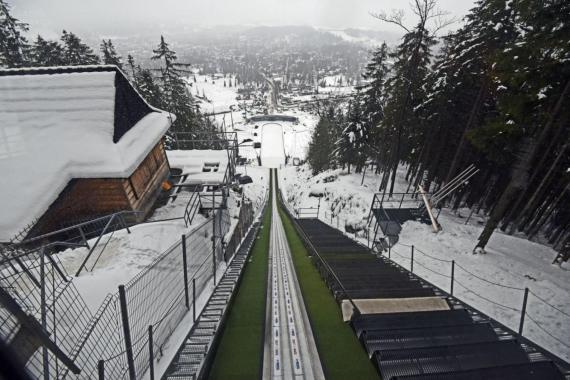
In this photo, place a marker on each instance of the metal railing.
(397, 200)
(191, 209)
(156, 300)
(41, 289)
(78, 233)
(307, 212)
(109, 226)
(159, 296)
(210, 140)
(463, 282)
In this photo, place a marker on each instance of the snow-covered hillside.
(494, 283)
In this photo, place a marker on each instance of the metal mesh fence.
(42, 290)
(156, 297)
(245, 219)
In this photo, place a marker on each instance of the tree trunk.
(518, 181)
(470, 120)
(515, 209)
(532, 203)
(538, 223)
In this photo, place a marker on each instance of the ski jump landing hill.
(272, 145)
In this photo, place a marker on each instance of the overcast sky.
(102, 16)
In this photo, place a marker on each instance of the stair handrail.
(454, 185)
(78, 227)
(118, 216)
(191, 208)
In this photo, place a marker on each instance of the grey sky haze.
(108, 16)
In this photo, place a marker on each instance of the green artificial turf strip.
(342, 355)
(240, 352)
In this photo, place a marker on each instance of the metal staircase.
(191, 360)
(389, 213)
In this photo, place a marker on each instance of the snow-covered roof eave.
(56, 128)
(136, 144)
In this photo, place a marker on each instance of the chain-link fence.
(39, 294)
(131, 327)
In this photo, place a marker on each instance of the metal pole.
(101, 369)
(214, 236)
(151, 352)
(193, 300)
(185, 270)
(389, 250)
(124, 223)
(452, 275)
(523, 311)
(319, 208)
(402, 201)
(127, 332)
(45, 356)
(83, 237)
(412, 261)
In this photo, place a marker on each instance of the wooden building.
(75, 143)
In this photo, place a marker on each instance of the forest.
(494, 93)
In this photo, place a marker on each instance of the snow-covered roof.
(192, 162)
(57, 124)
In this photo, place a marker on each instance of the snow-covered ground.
(272, 145)
(123, 258)
(511, 262)
(213, 96)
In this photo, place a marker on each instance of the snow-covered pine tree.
(176, 96)
(373, 92)
(131, 65)
(148, 87)
(373, 97)
(352, 146)
(46, 53)
(13, 43)
(533, 114)
(411, 67)
(75, 52)
(110, 56)
(322, 143)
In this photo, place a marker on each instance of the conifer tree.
(132, 66)
(533, 110)
(13, 43)
(110, 56)
(46, 53)
(373, 99)
(322, 143)
(148, 88)
(176, 96)
(352, 146)
(75, 52)
(373, 93)
(411, 67)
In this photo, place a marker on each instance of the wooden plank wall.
(87, 198)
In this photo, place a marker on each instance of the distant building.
(273, 117)
(75, 143)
